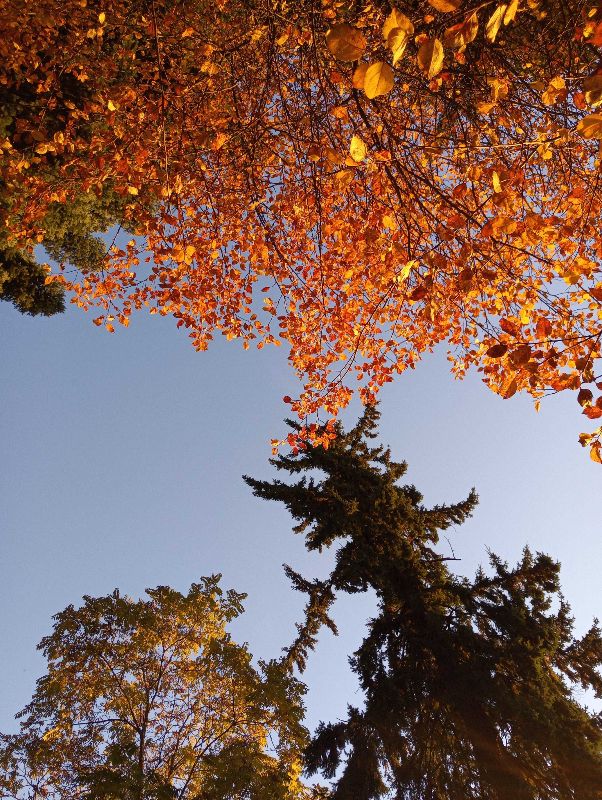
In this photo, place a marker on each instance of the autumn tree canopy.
(361, 180)
(469, 684)
(152, 700)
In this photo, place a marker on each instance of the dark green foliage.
(68, 228)
(22, 284)
(468, 683)
(69, 238)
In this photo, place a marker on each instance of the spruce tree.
(468, 684)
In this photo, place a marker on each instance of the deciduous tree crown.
(360, 180)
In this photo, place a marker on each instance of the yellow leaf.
(101, 17)
(405, 271)
(499, 88)
(590, 127)
(396, 42)
(430, 57)
(497, 186)
(111, 106)
(132, 190)
(389, 222)
(359, 76)
(446, 5)
(378, 79)
(593, 90)
(345, 43)
(510, 12)
(357, 149)
(397, 20)
(596, 454)
(493, 23)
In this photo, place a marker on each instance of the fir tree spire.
(468, 684)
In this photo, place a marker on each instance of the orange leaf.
(497, 350)
(345, 43)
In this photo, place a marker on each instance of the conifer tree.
(468, 684)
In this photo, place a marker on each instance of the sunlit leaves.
(357, 149)
(430, 57)
(590, 127)
(397, 20)
(310, 155)
(155, 694)
(458, 36)
(511, 11)
(494, 22)
(378, 79)
(397, 32)
(445, 6)
(345, 42)
(397, 42)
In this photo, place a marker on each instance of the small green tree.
(468, 683)
(152, 700)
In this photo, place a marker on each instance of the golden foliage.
(227, 128)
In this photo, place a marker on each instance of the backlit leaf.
(497, 350)
(445, 6)
(511, 11)
(378, 79)
(357, 149)
(458, 36)
(593, 90)
(590, 127)
(585, 397)
(397, 42)
(345, 43)
(430, 57)
(397, 20)
(596, 454)
(493, 23)
(359, 76)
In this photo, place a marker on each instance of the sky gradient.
(123, 457)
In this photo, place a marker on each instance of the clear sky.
(122, 463)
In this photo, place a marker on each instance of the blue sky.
(122, 465)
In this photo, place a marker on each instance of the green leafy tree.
(152, 700)
(468, 684)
